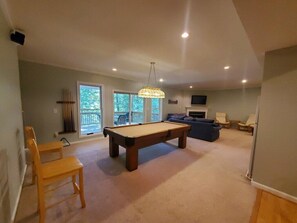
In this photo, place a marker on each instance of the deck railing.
(136, 117)
(90, 121)
(90, 116)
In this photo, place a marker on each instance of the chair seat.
(60, 167)
(224, 123)
(242, 124)
(46, 147)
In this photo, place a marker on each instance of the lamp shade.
(151, 92)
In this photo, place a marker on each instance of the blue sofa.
(201, 128)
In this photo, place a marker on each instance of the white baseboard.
(19, 195)
(274, 191)
(88, 140)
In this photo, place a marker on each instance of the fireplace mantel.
(197, 109)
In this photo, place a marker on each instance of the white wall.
(275, 163)
(11, 127)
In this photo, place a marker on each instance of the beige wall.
(42, 86)
(237, 103)
(275, 163)
(173, 94)
(11, 128)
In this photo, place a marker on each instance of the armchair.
(249, 125)
(221, 119)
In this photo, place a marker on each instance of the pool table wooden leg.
(113, 148)
(182, 140)
(132, 158)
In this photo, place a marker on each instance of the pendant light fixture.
(150, 91)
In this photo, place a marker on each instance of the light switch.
(55, 111)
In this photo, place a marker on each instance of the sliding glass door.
(137, 109)
(155, 110)
(121, 105)
(128, 108)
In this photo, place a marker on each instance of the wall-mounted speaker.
(17, 37)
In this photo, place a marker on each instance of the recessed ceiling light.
(226, 67)
(191, 86)
(185, 35)
(244, 81)
(161, 80)
(114, 69)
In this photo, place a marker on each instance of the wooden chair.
(42, 148)
(221, 119)
(53, 171)
(249, 124)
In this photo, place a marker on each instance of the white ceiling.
(97, 35)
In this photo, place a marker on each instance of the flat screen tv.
(198, 100)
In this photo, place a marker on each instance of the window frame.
(130, 104)
(160, 109)
(79, 83)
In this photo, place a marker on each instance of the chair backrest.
(121, 120)
(221, 117)
(251, 120)
(30, 134)
(35, 156)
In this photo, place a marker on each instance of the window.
(90, 109)
(128, 108)
(155, 110)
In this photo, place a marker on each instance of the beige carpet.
(203, 183)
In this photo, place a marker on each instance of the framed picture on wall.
(171, 101)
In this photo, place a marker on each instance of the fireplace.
(197, 111)
(197, 114)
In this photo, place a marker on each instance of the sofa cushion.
(204, 120)
(176, 116)
(189, 118)
(179, 116)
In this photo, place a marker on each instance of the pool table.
(135, 137)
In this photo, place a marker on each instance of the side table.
(234, 123)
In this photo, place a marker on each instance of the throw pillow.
(189, 118)
(178, 116)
